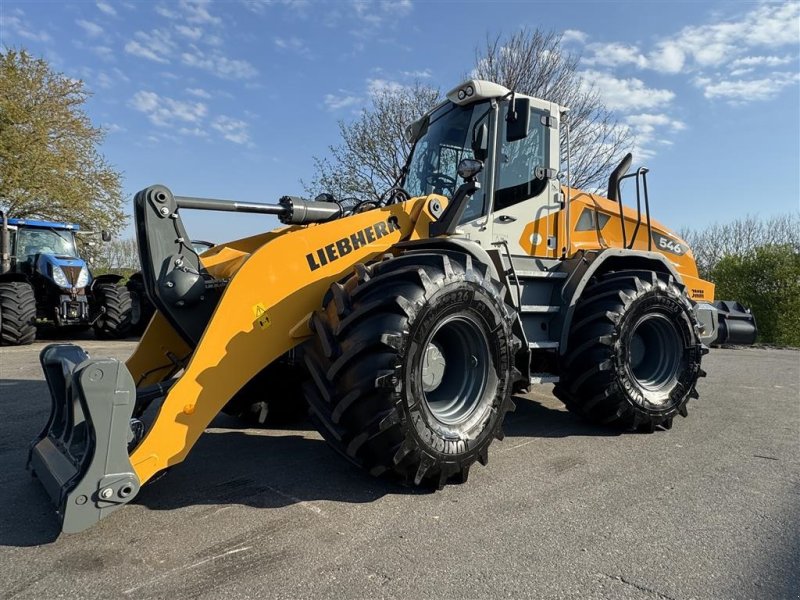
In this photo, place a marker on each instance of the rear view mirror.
(469, 168)
(518, 119)
(480, 142)
(105, 236)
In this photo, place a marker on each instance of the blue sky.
(233, 98)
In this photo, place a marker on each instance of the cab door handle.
(506, 219)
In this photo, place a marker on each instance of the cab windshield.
(45, 241)
(444, 142)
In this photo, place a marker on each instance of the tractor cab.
(44, 280)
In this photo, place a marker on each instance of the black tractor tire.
(633, 354)
(112, 309)
(17, 314)
(412, 366)
(142, 310)
(273, 398)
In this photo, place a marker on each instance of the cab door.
(526, 198)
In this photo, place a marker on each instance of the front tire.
(113, 303)
(634, 352)
(412, 366)
(17, 314)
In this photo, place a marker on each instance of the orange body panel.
(610, 235)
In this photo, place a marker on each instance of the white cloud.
(758, 61)
(156, 45)
(343, 99)
(137, 49)
(626, 94)
(419, 74)
(614, 54)
(573, 35)
(111, 128)
(196, 11)
(713, 45)
(198, 92)
(381, 86)
(195, 131)
(219, 65)
(106, 8)
(233, 130)
(260, 6)
(18, 26)
(193, 33)
(667, 58)
(293, 44)
(91, 28)
(397, 7)
(164, 111)
(104, 52)
(191, 11)
(742, 91)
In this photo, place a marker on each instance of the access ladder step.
(544, 378)
(543, 345)
(527, 274)
(538, 308)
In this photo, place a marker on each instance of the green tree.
(50, 165)
(766, 280)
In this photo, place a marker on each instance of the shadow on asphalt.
(230, 465)
(534, 419)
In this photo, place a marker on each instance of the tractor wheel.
(634, 353)
(113, 302)
(274, 397)
(142, 310)
(412, 366)
(17, 314)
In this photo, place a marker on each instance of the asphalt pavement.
(710, 509)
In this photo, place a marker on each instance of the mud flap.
(81, 456)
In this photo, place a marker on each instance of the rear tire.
(634, 352)
(392, 387)
(113, 302)
(17, 314)
(142, 310)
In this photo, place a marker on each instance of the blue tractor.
(43, 280)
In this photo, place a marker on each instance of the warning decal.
(262, 318)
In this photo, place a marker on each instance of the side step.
(81, 455)
(524, 274)
(543, 345)
(538, 308)
(544, 378)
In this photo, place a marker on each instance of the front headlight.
(59, 277)
(83, 278)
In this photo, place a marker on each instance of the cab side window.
(517, 161)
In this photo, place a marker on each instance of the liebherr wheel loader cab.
(406, 324)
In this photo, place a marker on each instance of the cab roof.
(43, 224)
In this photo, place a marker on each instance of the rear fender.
(584, 266)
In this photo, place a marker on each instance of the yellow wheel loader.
(406, 324)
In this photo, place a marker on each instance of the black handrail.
(643, 172)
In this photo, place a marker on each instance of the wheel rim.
(656, 348)
(454, 369)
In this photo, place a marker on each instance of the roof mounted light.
(474, 90)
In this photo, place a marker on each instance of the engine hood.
(70, 265)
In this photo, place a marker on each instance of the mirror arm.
(451, 217)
